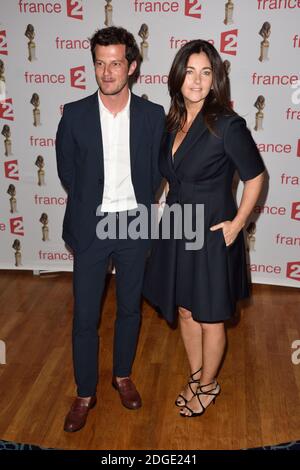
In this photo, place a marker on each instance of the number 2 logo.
(3, 43)
(11, 169)
(78, 77)
(293, 270)
(16, 226)
(75, 9)
(296, 93)
(6, 109)
(295, 213)
(193, 8)
(229, 42)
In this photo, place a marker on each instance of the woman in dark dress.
(205, 142)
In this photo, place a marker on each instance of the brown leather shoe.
(129, 395)
(76, 418)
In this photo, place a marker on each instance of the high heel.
(190, 382)
(215, 391)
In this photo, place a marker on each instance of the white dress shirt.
(118, 192)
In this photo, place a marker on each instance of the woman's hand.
(231, 229)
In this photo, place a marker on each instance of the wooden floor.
(259, 403)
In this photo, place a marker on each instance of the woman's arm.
(251, 192)
(242, 151)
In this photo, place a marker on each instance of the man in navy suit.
(107, 150)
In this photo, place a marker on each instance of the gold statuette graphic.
(12, 200)
(29, 33)
(227, 66)
(251, 229)
(229, 6)
(41, 172)
(264, 45)
(35, 101)
(2, 81)
(259, 116)
(45, 228)
(144, 34)
(7, 142)
(108, 13)
(18, 257)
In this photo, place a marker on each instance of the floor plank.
(259, 403)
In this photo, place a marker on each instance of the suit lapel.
(136, 129)
(92, 123)
(194, 134)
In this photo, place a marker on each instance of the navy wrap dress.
(207, 281)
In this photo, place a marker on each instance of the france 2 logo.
(293, 270)
(3, 43)
(75, 9)
(16, 226)
(11, 169)
(6, 109)
(193, 8)
(77, 76)
(295, 213)
(229, 42)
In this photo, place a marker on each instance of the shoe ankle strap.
(194, 373)
(208, 392)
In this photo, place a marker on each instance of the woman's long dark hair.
(218, 99)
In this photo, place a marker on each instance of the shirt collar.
(104, 110)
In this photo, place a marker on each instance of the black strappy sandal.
(215, 391)
(190, 382)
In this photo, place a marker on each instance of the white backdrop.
(60, 70)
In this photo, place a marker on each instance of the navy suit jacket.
(79, 154)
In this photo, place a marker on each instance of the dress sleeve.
(242, 150)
